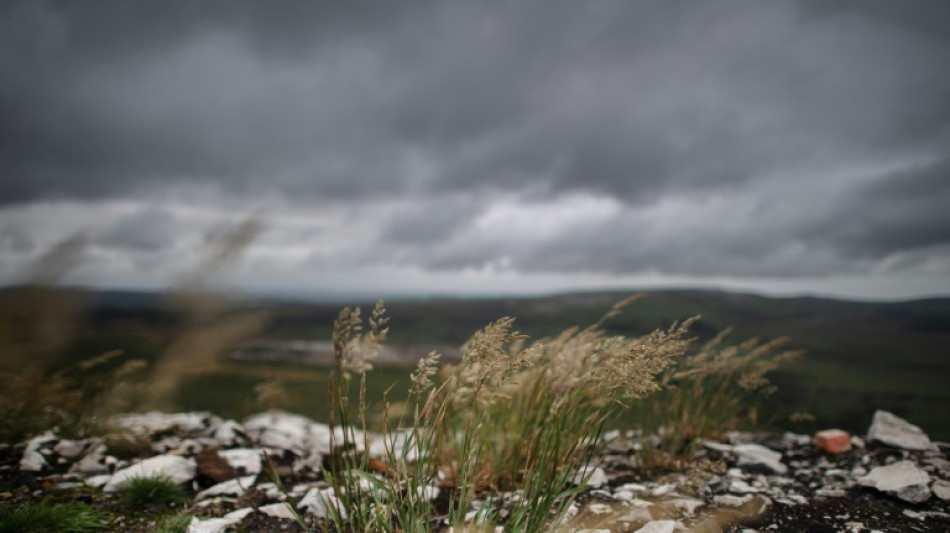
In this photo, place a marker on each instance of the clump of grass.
(711, 392)
(47, 517)
(510, 416)
(176, 523)
(153, 490)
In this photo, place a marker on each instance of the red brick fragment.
(833, 440)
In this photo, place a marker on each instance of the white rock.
(892, 430)
(218, 525)
(94, 462)
(594, 478)
(33, 460)
(688, 505)
(623, 495)
(663, 490)
(317, 502)
(660, 526)
(233, 487)
(178, 469)
(97, 482)
(755, 454)
(902, 480)
(737, 485)
(70, 449)
(286, 431)
(229, 433)
(279, 510)
(429, 492)
(728, 500)
(247, 460)
(941, 489)
(155, 422)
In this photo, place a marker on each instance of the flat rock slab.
(756, 454)
(661, 526)
(902, 480)
(176, 468)
(893, 430)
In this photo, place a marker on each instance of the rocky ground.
(893, 479)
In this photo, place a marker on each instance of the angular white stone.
(233, 487)
(218, 525)
(248, 459)
(595, 478)
(895, 431)
(70, 449)
(97, 482)
(941, 489)
(755, 454)
(33, 460)
(660, 526)
(279, 510)
(317, 501)
(156, 422)
(728, 500)
(902, 480)
(688, 505)
(178, 469)
(228, 433)
(94, 462)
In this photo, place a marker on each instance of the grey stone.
(660, 526)
(892, 430)
(178, 469)
(33, 460)
(902, 480)
(941, 489)
(234, 487)
(755, 454)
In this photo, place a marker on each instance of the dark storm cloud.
(445, 107)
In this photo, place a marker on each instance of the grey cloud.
(638, 101)
(15, 239)
(899, 212)
(632, 99)
(148, 230)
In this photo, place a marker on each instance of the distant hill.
(861, 355)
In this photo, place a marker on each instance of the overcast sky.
(483, 147)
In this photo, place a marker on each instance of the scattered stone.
(245, 460)
(833, 440)
(317, 502)
(756, 454)
(234, 487)
(902, 480)
(892, 430)
(941, 489)
(279, 510)
(178, 469)
(218, 525)
(70, 449)
(594, 478)
(33, 460)
(660, 526)
(212, 465)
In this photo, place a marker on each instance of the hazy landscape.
(860, 356)
(358, 266)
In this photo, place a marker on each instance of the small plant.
(176, 523)
(48, 517)
(152, 490)
(711, 392)
(508, 417)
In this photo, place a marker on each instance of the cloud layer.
(792, 142)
